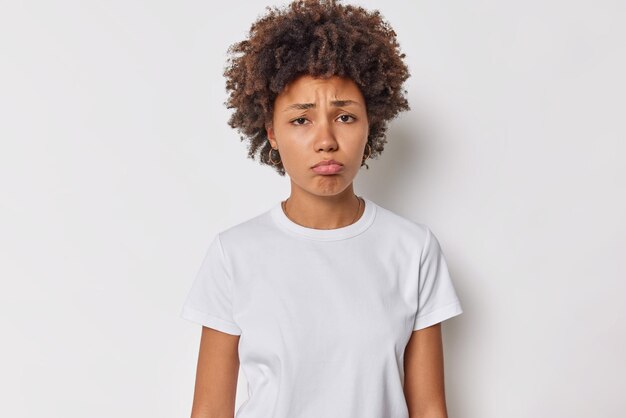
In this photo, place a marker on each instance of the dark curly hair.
(320, 38)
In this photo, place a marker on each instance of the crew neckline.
(348, 231)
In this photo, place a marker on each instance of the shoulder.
(247, 232)
(392, 224)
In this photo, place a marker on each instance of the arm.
(216, 375)
(424, 377)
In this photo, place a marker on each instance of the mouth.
(327, 162)
(327, 167)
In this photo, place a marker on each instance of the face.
(320, 119)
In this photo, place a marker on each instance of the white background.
(117, 167)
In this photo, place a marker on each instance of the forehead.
(308, 88)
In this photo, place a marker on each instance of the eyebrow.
(335, 103)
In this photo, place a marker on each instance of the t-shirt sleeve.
(437, 298)
(209, 302)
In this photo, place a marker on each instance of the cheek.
(356, 137)
(295, 150)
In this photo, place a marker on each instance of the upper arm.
(424, 376)
(216, 375)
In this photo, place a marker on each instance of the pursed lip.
(327, 162)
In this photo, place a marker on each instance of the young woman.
(331, 304)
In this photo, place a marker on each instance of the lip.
(327, 167)
(327, 162)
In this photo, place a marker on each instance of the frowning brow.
(335, 103)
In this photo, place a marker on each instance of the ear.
(269, 129)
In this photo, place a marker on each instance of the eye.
(298, 121)
(347, 118)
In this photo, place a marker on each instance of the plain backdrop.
(117, 167)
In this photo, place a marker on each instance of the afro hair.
(321, 38)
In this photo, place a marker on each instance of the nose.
(325, 137)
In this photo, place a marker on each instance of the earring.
(275, 163)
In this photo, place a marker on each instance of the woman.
(331, 304)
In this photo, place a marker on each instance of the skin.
(424, 387)
(308, 126)
(320, 131)
(216, 375)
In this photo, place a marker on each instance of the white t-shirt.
(324, 315)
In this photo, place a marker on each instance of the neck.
(324, 212)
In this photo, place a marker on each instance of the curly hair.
(320, 38)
